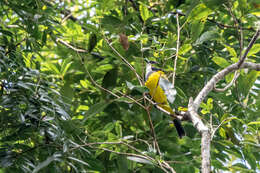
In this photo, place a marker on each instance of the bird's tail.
(179, 128)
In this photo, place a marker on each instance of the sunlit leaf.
(199, 12)
(139, 160)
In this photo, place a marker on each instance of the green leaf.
(185, 48)
(78, 160)
(110, 78)
(139, 160)
(254, 50)
(118, 128)
(206, 36)
(92, 42)
(197, 27)
(103, 68)
(95, 109)
(213, 4)
(67, 92)
(247, 81)
(220, 61)
(231, 50)
(46, 162)
(66, 64)
(199, 12)
(145, 14)
(243, 5)
(122, 164)
(139, 88)
(254, 123)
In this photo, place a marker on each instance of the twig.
(236, 75)
(222, 26)
(66, 17)
(71, 47)
(253, 40)
(124, 60)
(135, 101)
(239, 29)
(163, 165)
(17, 44)
(222, 122)
(153, 132)
(177, 50)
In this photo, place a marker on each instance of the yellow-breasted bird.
(162, 91)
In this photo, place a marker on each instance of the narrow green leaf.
(246, 82)
(206, 36)
(65, 66)
(46, 163)
(184, 49)
(139, 88)
(220, 61)
(254, 123)
(139, 160)
(78, 160)
(231, 50)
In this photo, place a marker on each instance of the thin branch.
(124, 60)
(161, 164)
(17, 44)
(221, 123)
(239, 29)
(66, 17)
(252, 42)
(236, 75)
(135, 101)
(70, 46)
(153, 132)
(222, 26)
(177, 50)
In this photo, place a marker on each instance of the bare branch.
(177, 49)
(70, 46)
(236, 75)
(239, 29)
(252, 42)
(153, 132)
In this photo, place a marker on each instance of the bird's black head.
(150, 62)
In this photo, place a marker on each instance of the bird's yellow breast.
(156, 91)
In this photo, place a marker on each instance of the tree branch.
(177, 50)
(70, 46)
(205, 139)
(217, 77)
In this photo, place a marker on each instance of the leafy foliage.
(71, 100)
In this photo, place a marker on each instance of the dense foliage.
(72, 94)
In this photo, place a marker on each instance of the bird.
(162, 91)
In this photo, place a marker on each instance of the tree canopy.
(72, 94)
